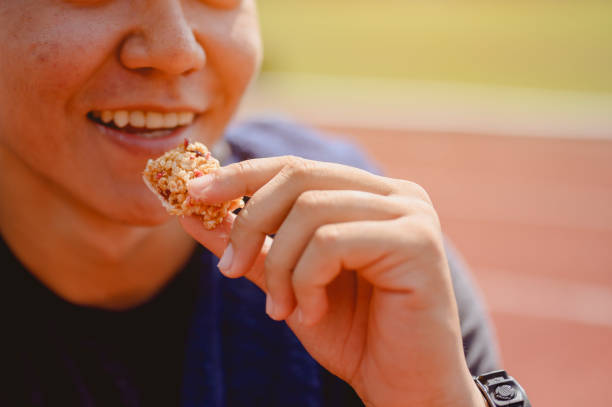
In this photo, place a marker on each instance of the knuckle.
(409, 205)
(423, 193)
(325, 237)
(419, 206)
(412, 188)
(242, 221)
(242, 167)
(292, 160)
(424, 236)
(242, 171)
(297, 166)
(310, 200)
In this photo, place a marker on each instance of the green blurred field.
(550, 44)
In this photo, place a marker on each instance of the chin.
(138, 218)
(138, 211)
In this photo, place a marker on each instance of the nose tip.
(169, 45)
(179, 56)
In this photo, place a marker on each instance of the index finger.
(246, 177)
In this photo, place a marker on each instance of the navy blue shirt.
(204, 340)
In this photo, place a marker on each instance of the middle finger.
(312, 210)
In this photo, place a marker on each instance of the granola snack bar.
(167, 177)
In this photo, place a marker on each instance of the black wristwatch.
(501, 390)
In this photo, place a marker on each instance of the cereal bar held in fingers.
(168, 175)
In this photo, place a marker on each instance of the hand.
(357, 268)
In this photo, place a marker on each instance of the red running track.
(533, 218)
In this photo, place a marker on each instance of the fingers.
(369, 248)
(360, 246)
(392, 255)
(312, 210)
(274, 261)
(326, 217)
(274, 184)
(247, 177)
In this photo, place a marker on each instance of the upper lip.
(154, 108)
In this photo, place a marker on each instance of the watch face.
(505, 392)
(501, 390)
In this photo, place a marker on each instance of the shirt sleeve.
(479, 342)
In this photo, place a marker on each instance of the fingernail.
(270, 306)
(197, 187)
(225, 262)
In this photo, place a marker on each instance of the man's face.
(90, 89)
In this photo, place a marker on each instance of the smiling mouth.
(149, 124)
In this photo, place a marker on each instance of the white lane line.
(525, 295)
(380, 103)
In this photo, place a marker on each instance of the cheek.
(235, 51)
(52, 67)
(43, 67)
(52, 59)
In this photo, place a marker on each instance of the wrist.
(473, 397)
(479, 398)
(460, 391)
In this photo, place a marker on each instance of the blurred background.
(502, 110)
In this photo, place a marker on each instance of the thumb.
(216, 241)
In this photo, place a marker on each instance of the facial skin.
(75, 210)
(63, 59)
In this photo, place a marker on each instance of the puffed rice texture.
(167, 177)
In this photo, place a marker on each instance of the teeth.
(137, 119)
(145, 120)
(170, 120)
(107, 116)
(155, 120)
(185, 118)
(121, 118)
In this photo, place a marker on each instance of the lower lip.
(137, 145)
